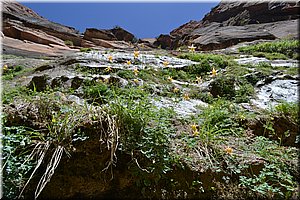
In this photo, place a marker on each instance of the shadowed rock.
(230, 23)
(39, 83)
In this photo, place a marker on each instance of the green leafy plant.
(289, 48)
(17, 143)
(272, 182)
(288, 109)
(13, 71)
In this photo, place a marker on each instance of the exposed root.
(52, 165)
(40, 151)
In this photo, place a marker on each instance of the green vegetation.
(85, 49)
(69, 43)
(15, 152)
(221, 116)
(275, 179)
(13, 71)
(207, 61)
(169, 155)
(145, 130)
(290, 110)
(281, 49)
(270, 56)
(10, 93)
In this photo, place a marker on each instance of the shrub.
(223, 86)
(68, 43)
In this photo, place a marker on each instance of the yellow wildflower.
(195, 133)
(228, 150)
(191, 48)
(166, 63)
(105, 80)
(136, 81)
(186, 96)
(136, 71)
(194, 127)
(5, 67)
(170, 78)
(142, 45)
(53, 119)
(128, 62)
(242, 117)
(135, 54)
(198, 80)
(108, 69)
(175, 90)
(214, 72)
(110, 58)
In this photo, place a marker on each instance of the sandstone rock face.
(242, 13)
(110, 44)
(18, 9)
(14, 12)
(20, 32)
(232, 22)
(92, 33)
(185, 28)
(44, 37)
(222, 37)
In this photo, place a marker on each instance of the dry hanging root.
(112, 140)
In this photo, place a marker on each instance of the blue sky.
(144, 20)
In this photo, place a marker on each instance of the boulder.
(92, 33)
(122, 34)
(164, 41)
(147, 42)
(39, 83)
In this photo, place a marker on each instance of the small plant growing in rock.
(68, 43)
(85, 49)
